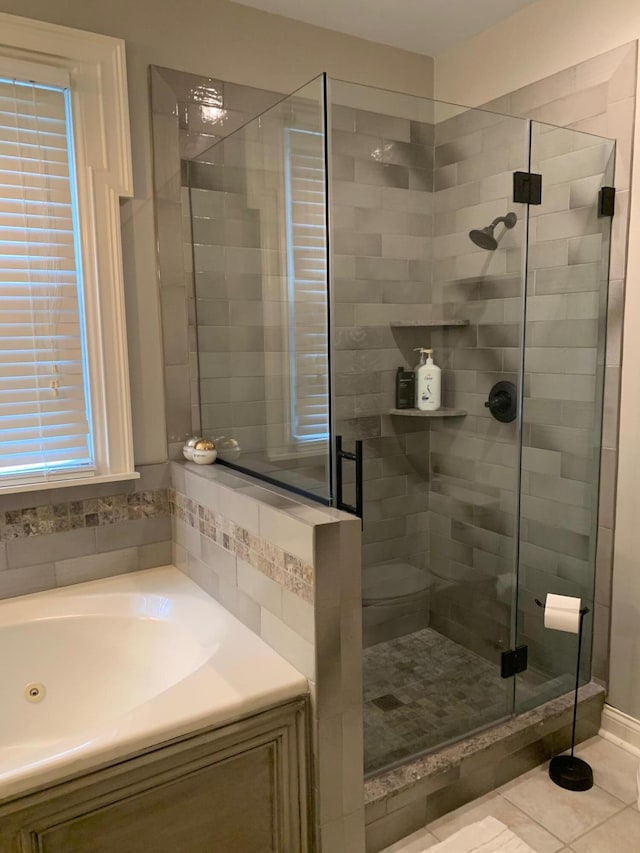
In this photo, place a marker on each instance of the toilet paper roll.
(562, 613)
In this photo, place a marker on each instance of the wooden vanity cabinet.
(241, 788)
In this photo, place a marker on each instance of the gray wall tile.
(27, 579)
(377, 124)
(155, 554)
(223, 562)
(129, 533)
(58, 546)
(95, 566)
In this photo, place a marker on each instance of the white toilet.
(395, 601)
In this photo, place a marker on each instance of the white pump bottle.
(427, 382)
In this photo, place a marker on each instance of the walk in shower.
(333, 235)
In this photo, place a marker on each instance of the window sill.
(17, 488)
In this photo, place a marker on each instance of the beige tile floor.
(551, 820)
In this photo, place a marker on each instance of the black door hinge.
(513, 661)
(527, 187)
(607, 201)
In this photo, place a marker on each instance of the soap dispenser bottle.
(427, 382)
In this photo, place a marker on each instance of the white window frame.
(95, 68)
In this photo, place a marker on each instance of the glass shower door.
(564, 372)
(479, 248)
(259, 223)
(409, 180)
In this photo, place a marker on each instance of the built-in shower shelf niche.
(438, 413)
(424, 324)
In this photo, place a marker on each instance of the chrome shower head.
(483, 237)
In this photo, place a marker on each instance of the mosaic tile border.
(92, 512)
(285, 569)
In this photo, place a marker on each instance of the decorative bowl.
(204, 452)
(189, 446)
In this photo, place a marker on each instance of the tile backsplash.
(242, 544)
(66, 536)
(285, 569)
(72, 515)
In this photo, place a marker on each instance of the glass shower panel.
(564, 361)
(479, 254)
(410, 179)
(259, 216)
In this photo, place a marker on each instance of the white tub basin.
(120, 664)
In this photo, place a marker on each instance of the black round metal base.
(574, 774)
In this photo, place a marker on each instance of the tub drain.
(35, 692)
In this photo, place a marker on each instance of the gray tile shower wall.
(277, 564)
(474, 460)
(66, 536)
(565, 305)
(566, 254)
(596, 96)
(189, 114)
(231, 334)
(264, 332)
(381, 253)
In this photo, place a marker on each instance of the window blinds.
(44, 402)
(307, 279)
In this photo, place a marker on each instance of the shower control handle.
(503, 402)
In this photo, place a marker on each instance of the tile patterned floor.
(550, 820)
(423, 690)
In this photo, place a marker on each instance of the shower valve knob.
(503, 402)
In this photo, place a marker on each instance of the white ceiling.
(423, 26)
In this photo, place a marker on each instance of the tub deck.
(107, 669)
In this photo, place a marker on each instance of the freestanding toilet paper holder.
(569, 771)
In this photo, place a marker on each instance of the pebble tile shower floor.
(422, 690)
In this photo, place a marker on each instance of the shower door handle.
(341, 456)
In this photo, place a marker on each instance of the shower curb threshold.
(390, 791)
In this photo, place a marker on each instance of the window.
(45, 418)
(307, 283)
(64, 161)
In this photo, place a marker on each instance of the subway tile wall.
(399, 240)
(568, 259)
(473, 501)
(473, 467)
(390, 253)
(562, 414)
(189, 114)
(595, 97)
(263, 360)
(381, 252)
(66, 536)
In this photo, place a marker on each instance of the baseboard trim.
(621, 729)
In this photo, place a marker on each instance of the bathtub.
(101, 670)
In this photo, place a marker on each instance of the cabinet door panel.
(230, 807)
